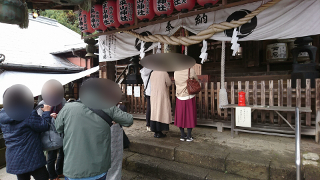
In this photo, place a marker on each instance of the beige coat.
(180, 78)
(160, 100)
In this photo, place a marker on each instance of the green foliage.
(65, 17)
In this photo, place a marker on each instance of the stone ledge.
(164, 150)
(171, 170)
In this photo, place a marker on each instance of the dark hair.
(4, 93)
(88, 80)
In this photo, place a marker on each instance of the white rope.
(223, 96)
(223, 56)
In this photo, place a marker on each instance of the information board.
(243, 116)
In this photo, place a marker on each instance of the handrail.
(122, 73)
(298, 141)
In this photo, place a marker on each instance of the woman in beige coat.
(161, 115)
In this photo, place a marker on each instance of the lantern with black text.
(184, 5)
(96, 17)
(125, 12)
(207, 3)
(84, 22)
(144, 10)
(109, 9)
(163, 8)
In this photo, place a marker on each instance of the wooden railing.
(265, 93)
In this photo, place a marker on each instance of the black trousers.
(39, 174)
(53, 168)
(148, 113)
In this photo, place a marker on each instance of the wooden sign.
(243, 116)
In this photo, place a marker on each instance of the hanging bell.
(14, 12)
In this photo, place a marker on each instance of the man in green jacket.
(86, 143)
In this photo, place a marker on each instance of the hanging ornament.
(159, 48)
(84, 22)
(125, 12)
(110, 19)
(223, 96)
(207, 3)
(144, 10)
(235, 46)
(163, 8)
(204, 54)
(96, 17)
(184, 5)
(142, 54)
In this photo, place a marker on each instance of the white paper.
(204, 54)
(243, 116)
(136, 91)
(142, 54)
(129, 90)
(235, 46)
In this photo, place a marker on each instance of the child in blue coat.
(24, 154)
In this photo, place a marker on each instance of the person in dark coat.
(24, 154)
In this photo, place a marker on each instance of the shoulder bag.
(193, 86)
(51, 139)
(144, 91)
(108, 120)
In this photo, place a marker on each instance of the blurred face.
(100, 93)
(52, 92)
(18, 102)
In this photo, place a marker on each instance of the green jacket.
(86, 143)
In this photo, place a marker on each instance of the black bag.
(108, 119)
(144, 91)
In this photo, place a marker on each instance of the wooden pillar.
(103, 70)
(107, 70)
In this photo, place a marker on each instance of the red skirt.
(186, 113)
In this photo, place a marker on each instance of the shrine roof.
(33, 46)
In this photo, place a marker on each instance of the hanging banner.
(121, 45)
(286, 19)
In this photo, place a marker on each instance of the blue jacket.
(22, 138)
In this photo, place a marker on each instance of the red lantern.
(241, 98)
(110, 19)
(125, 12)
(96, 17)
(207, 3)
(84, 22)
(184, 5)
(144, 10)
(163, 8)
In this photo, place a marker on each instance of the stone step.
(158, 168)
(245, 163)
(129, 175)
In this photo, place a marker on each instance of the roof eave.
(33, 68)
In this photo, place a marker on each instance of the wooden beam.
(174, 17)
(224, 2)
